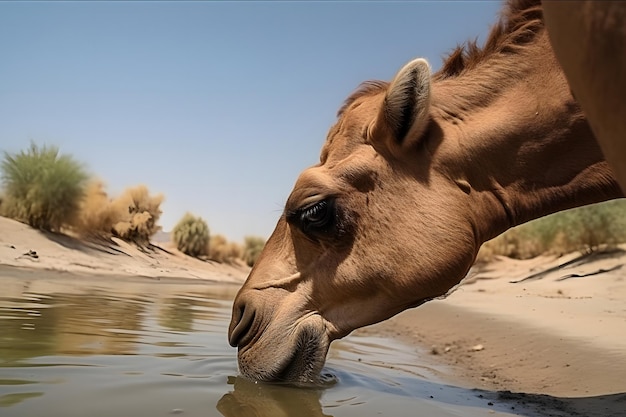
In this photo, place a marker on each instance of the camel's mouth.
(299, 360)
(304, 365)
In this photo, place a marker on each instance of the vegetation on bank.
(132, 216)
(223, 251)
(583, 229)
(53, 192)
(42, 187)
(253, 246)
(191, 236)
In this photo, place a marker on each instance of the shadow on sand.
(85, 245)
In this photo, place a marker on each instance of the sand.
(554, 340)
(24, 247)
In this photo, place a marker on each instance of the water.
(90, 346)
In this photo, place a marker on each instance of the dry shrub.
(514, 243)
(191, 235)
(141, 212)
(133, 216)
(253, 245)
(96, 215)
(221, 250)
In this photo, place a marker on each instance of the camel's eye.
(316, 215)
(315, 218)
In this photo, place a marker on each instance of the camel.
(589, 40)
(413, 177)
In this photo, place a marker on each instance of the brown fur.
(519, 23)
(366, 88)
(589, 39)
(398, 207)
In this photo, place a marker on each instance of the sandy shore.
(555, 340)
(23, 247)
(549, 332)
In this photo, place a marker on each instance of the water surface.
(101, 346)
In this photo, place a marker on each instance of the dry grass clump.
(96, 215)
(223, 251)
(141, 214)
(132, 216)
(582, 229)
(191, 236)
(253, 245)
(42, 188)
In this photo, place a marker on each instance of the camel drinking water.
(413, 177)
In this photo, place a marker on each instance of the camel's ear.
(403, 116)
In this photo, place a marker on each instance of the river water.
(100, 346)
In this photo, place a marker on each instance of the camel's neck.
(526, 148)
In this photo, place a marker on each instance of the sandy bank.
(550, 330)
(23, 247)
(557, 338)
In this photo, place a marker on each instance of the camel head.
(380, 225)
(414, 176)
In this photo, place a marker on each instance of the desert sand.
(24, 247)
(549, 332)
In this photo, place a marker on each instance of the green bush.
(191, 236)
(41, 187)
(253, 245)
(582, 229)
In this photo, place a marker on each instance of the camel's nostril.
(240, 325)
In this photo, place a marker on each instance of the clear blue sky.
(217, 105)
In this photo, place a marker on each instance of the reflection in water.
(265, 400)
(56, 325)
(149, 348)
(11, 399)
(47, 326)
(177, 315)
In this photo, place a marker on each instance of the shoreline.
(24, 247)
(24, 272)
(507, 360)
(557, 345)
(549, 332)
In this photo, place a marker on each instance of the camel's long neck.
(530, 148)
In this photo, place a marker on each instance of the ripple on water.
(149, 349)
